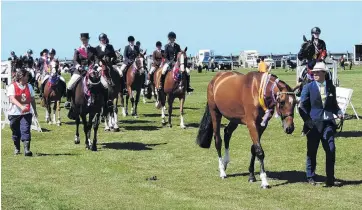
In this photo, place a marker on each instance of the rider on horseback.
(105, 50)
(83, 57)
(28, 60)
(171, 51)
(130, 54)
(157, 60)
(42, 68)
(14, 61)
(320, 53)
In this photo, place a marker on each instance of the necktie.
(322, 91)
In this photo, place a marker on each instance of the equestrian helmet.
(172, 35)
(315, 30)
(131, 39)
(102, 36)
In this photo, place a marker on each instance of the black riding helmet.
(131, 39)
(12, 53)
(315, 30)
(172, 35)
(138, 43)
(52, 51)
(30, 51)
(102, 36)
(158, 44)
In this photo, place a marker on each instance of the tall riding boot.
(163, 76)
(189, 88)
(27, 151)
(69, 98)
(17, 147)
(42, 89)
(65, 89)
(151, 78)
(125, 85)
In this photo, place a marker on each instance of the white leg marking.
(226, 158)
(182, 125)
(264, 181)
(221, 168)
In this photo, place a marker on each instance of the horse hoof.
(59, 124)
(94, 148)
(170, 125)
(106, 129)
(183, 127)
(265, 186)
(116, 130)
(252, 179)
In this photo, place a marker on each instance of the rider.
(320, 53)
(52, 58)
(14, 60)
(130, 53)
(85, 55)
(157, 60)
(12, 56)
(171, 51)
(138, 44)
(28, 60)
(42, 67)
(105, 49)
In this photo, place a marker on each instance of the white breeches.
(120, 72)
(152, 69)
(72, 80)
(123, 67)
(104, 82)
(164, 68)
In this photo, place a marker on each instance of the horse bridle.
(275, 99)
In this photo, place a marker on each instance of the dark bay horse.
(53, 92)
(249, 100)
(87, 99)
(114, 88)
(135, 80)
(174, 87)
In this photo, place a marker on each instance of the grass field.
(62, 175)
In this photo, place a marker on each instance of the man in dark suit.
(83, 57)
(318, 104)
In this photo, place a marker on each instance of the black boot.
(17, 147)
(41, 90)
(163, 76)
(124, 85)
(189, 88)
(151, 78)
(69, 98)
(27, 151)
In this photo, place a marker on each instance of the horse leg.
(54, 112)
(136, 103)
(182, 101)
(170, 100)
(95, 130)
(216, 121)
(252, 165)
(76, 139)
(115, 115)
(228, 131)
(125, 111)
(163, 116)
(58, 111)
(259, 153)
(47, 110)
(85, 129)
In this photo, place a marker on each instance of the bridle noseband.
(276, 100)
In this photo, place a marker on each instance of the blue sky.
(226, 27)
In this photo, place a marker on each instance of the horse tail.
(205, 134)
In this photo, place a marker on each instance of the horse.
(174, 87)
(87, 99)
(249, 100)
(53, 92)
(135, 80)
(114, 88)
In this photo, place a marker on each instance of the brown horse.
(245, 99)
(174, 87)
(53, 92)
(135, 80)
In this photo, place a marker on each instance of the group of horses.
(249, 99)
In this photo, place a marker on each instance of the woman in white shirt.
(21, 110)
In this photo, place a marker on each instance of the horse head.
(139, 62)
(307, 48)
(285, 104)
(182, 59)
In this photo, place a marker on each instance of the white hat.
(320, 66)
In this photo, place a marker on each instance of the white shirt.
(13, 109)
(103, 47)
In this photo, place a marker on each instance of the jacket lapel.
(327, 94)
(315, 90)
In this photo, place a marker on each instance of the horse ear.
(145, 52)
(185, 49)
(305, 39)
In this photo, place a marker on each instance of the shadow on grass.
(292, 177)
(45, 130)
(55, 154)
(158, 114)
(141, 127)
(134, 121)
(346, 134)
(135, 146)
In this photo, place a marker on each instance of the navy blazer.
(311, 102)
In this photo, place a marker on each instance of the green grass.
(63, 175)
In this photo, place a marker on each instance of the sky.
(225, 27)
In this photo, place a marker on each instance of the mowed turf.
(62, 175)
